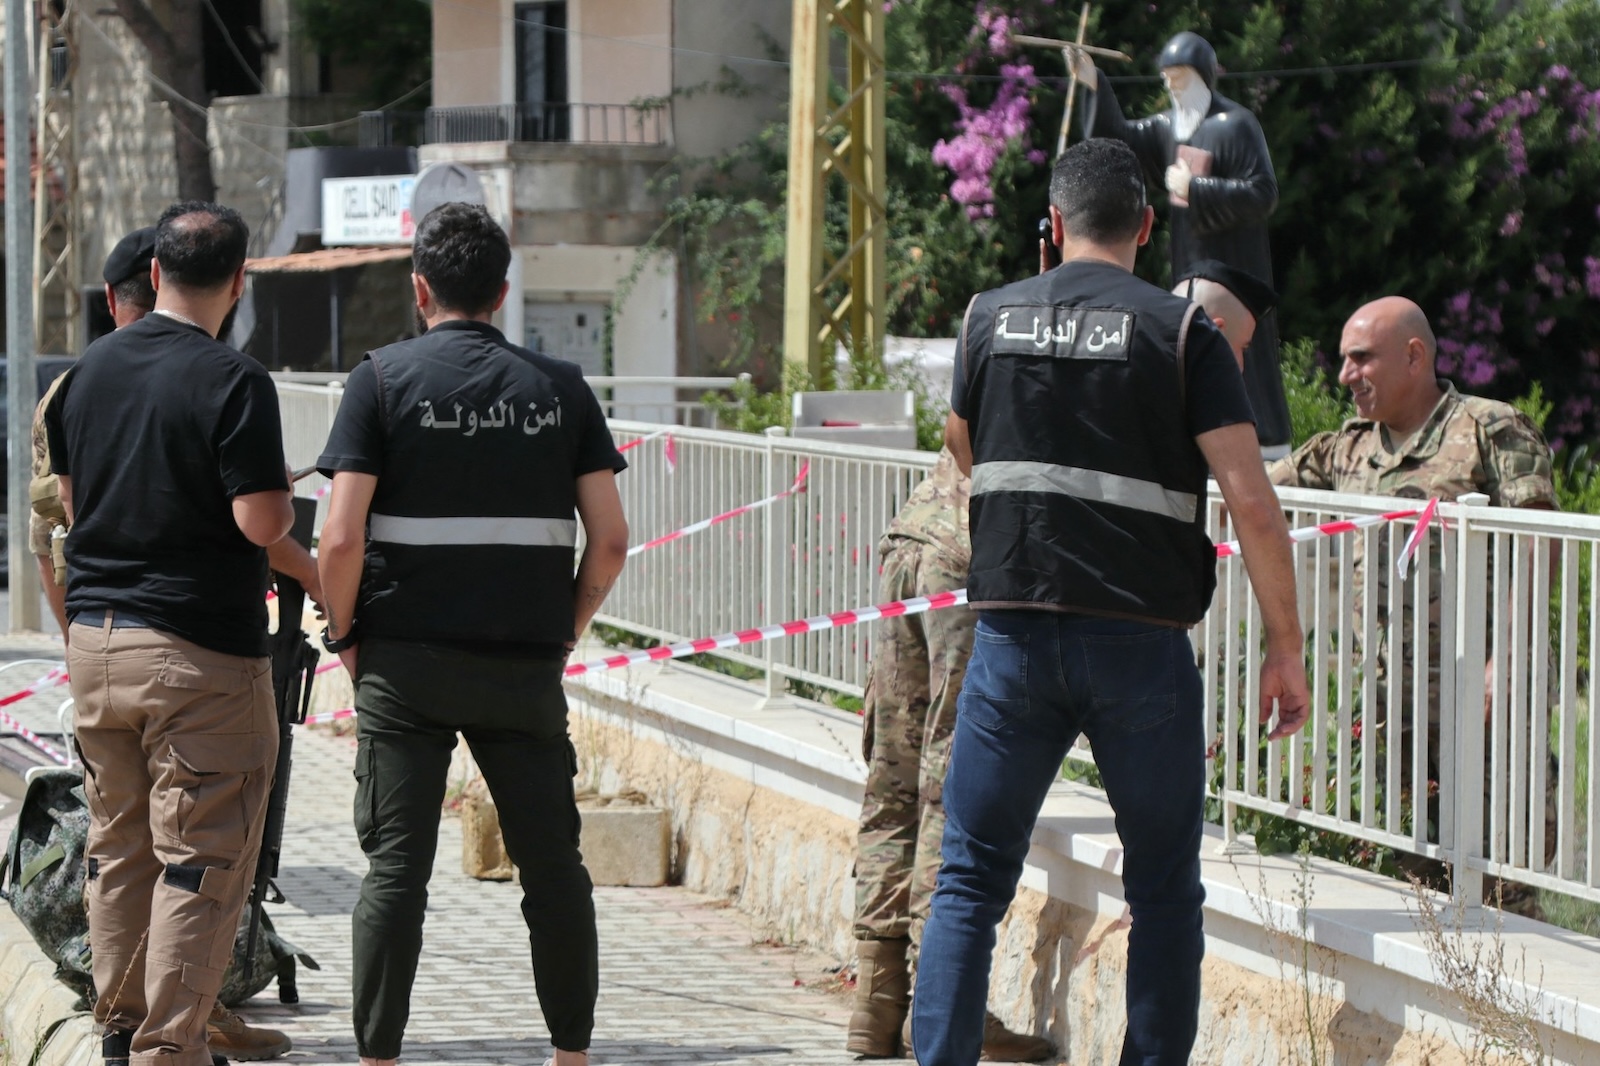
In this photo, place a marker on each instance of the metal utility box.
(879, 419)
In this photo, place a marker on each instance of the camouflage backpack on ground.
(42, 876)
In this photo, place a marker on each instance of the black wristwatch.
(349, 639)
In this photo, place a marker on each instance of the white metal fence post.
(1472, 608)
(772, 579)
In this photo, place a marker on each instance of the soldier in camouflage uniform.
(47, 517)
(918, 663)
(1417, 437)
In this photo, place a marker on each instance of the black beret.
(1256, 295)
(131, 257)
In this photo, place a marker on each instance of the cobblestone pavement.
(682, 979)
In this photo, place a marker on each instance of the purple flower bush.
(986, 131)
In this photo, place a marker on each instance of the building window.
(231, 45)
(542, 72)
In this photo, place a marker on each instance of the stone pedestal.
(483, 852)
(624, 842)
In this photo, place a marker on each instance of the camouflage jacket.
(936, 513)
(1468, 444)
(44, 488)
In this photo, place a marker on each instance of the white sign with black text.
(368, 210)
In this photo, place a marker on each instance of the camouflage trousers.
(918, 663)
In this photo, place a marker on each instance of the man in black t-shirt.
(458, 461)
(170, 457)
(1087, 406)
(130, 297)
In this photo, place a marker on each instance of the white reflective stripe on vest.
(1094, 485)
(523, 532)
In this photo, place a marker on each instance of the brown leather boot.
(1002, 1045)
(228, 1034)
(883, 991)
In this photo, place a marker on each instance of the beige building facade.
(269, 92)
(575, 114)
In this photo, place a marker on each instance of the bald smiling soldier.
(1415, 436)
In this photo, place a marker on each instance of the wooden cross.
(1067, 48)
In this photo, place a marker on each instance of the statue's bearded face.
(1177, 79)
(1190, 98)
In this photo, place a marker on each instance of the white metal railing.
(646, 398)
(1510, 590)
(1509, 665)
(813, 553)
(307, 409)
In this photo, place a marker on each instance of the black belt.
(96, 616)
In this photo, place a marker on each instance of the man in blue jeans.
(1088, 406)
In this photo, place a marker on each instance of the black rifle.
(294, 664)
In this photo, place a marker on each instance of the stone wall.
(569, 193)
(125, 162)
(782, 862)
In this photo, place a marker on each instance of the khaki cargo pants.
(178, 745)
(918, 664)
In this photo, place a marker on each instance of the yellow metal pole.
(870, 192)
(842, 148)
(808, 82)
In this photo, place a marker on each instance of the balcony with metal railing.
(561, 123)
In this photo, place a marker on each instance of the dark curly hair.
(463, 254)
(1099, 190)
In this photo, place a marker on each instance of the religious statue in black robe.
(1210, 154)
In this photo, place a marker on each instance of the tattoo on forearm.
(596, 593)
(333, 622)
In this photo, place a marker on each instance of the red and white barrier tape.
(669, 450)
(1402, 565)
(330, 716)
(696, 527)
(641, 440)
(1350, 525)
(915, 605)
(55, 677)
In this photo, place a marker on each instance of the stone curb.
(37, 1019)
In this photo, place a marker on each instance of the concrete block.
(32, 1001)
(483, 851)
(75, 1043)
(625, 845)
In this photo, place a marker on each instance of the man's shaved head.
(1386, 361)
(1397, 319)
(1238, 325)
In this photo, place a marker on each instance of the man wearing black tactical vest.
(1087, 405)
(458, 461)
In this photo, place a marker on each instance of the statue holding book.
(1210, 155)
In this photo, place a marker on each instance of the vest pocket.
(1132, 682)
